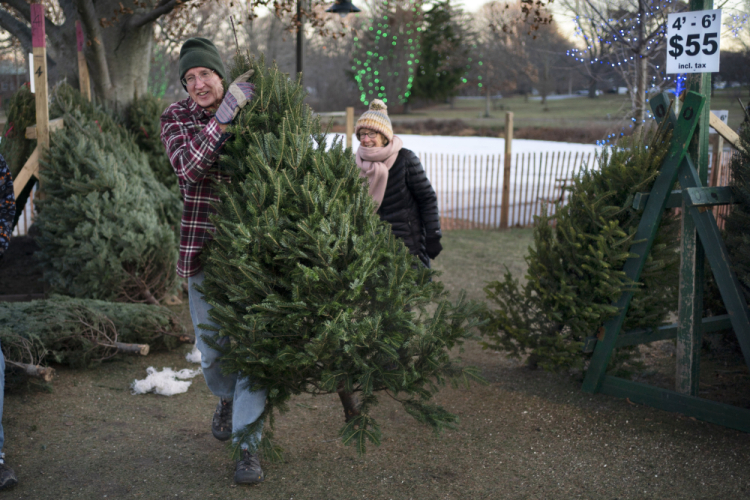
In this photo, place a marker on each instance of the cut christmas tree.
(313, 291)
(81, 332)
(105, 222)
(575, 267)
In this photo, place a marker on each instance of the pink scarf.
(374, 163)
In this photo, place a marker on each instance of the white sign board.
(693, 39)
(723, 116)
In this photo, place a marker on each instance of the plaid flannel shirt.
(7, 206)
(193, 140)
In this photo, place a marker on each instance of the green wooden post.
(692, 256)
(647, 228)
(718, 257)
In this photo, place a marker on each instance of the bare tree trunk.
(592, 88)
(118, 48)
(487, 103)
(639, 113)
(641, 74)
(351, 405)
(141, 349)
(37, 371)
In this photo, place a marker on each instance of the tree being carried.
(313, 292)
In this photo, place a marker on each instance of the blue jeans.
(248, 404)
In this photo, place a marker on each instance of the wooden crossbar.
(30, 168)
(723, 130)
(56, 124)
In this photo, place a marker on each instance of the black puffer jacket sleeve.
(420, 187)
(7, 206)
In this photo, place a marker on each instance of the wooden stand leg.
(690, 309)
(692, 261)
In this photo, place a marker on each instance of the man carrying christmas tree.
(193, 131)
(7, 213)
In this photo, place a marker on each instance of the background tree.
(442, 64)
(388, 51)
(630, 37)
(120, 36)
(546, 55)
(503, 57)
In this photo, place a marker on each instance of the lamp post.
(341, 7)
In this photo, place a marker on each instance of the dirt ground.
(527, 434)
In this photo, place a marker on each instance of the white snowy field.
(467, 174)
(481, 145)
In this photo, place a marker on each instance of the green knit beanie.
(200, 52)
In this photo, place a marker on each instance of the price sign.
(694, 41)
(723, 116)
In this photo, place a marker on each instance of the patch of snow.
(166, 382)
(467, 173)
(194, 356)
(452, 145)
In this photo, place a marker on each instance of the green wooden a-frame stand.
(701, 239)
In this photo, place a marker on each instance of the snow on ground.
(481, 145)
(467, 173)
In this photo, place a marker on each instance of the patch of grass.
(573, 112)
(605, 112)
(471, 258)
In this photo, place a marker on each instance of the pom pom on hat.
(376, 119)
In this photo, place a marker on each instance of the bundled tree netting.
(575, 266)
(20, 114)
(81, 333)
(143, 120)
(314, 292)
(104, 230)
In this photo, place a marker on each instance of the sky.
(473, 5)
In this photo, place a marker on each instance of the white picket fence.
(469, 187)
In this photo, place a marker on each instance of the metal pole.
(300, 27)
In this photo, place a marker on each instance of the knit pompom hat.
(200, 52)
(376, 119)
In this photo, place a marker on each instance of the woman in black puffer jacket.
(398, 184)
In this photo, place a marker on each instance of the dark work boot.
(221, 425)
(247, 470)
(8, 478)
